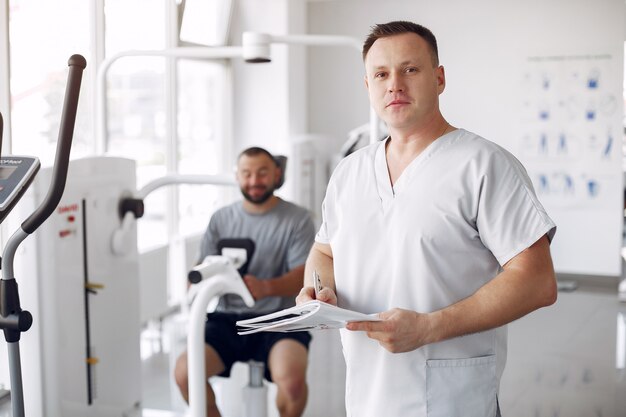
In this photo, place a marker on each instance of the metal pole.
(15, 368)
(227, 281)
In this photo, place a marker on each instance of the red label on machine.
(67, 209)
(65, 233)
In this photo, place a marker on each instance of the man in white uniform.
(440, 232)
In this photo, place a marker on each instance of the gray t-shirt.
(282, 236)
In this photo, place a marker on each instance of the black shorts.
(221, 333)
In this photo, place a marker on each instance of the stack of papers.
(313, 315)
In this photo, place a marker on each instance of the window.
(201, 140)
(39, 74)
(136, 103)
(168, 117)
(202, 110)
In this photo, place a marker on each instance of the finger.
(306, 294)
(328, 296)
(365, 326)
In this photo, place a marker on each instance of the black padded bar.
(66, 132)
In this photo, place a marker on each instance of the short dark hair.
(398, 27)
(256, 151)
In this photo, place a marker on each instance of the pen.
(317, 283)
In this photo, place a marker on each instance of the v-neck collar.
(386, 191)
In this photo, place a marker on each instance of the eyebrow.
(402, 64)
(257, 170)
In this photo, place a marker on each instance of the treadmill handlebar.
(66, 132)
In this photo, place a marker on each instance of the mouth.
(256, 190)
(396, 103)
(257, 194)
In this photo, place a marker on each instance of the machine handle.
(66, 132)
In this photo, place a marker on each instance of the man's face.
(257, 177)
(402, 82)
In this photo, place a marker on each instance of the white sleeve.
(510, 218)
(329, 214)
(322, 233)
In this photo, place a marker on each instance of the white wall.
(485, 47)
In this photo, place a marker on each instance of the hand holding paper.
(312, 315)
(399, 330)
(317, 292)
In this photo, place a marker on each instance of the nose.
(253, 179)
(256, 180)
(395, 83)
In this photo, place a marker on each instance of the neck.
(264, 207)
(408, 143)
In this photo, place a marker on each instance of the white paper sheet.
(313, 315)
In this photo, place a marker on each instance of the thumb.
(306, 294)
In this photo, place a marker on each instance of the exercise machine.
(229, 266)
(215, 276)
(89, 335)
(16, 175)
(87, 344)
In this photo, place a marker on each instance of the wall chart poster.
(571, 143)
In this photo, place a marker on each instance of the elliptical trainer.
(16, 175)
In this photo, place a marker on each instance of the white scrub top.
(460, 210)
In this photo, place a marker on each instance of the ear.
(441, 79)
(367, 85)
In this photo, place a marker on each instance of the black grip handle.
(66, 132)
(134, 205)
(194, 277)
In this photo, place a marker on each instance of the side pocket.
(461, 387)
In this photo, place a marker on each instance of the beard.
(260, 199)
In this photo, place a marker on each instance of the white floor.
(562, 360)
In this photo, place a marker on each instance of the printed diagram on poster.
(570, 137)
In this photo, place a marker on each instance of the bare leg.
(213, 366)
(287, 363)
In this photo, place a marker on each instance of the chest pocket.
(461, 387)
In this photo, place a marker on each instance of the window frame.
(97, 55)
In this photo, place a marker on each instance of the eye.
(411, 69)
(262, 173)
(380, 74)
